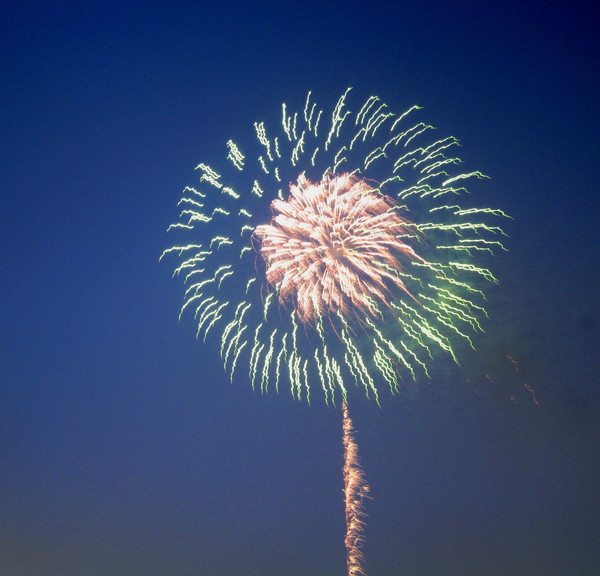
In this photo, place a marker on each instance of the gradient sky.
(124, 449)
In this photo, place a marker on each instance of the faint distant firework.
(342, 250)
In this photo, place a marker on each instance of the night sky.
(124, 448)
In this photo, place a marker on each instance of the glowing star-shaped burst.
(335, 247)
(368, 266)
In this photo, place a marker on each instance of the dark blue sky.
(123, 447)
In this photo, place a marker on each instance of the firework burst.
(364, 270)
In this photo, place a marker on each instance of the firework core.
(336, 246)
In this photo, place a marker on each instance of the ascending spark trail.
(356, 490)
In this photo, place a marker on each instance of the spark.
(527, 387)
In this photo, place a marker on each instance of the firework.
(341, 252)
(363, 270)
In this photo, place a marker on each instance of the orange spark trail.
(356, 490)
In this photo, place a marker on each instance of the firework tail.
(356, 490)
